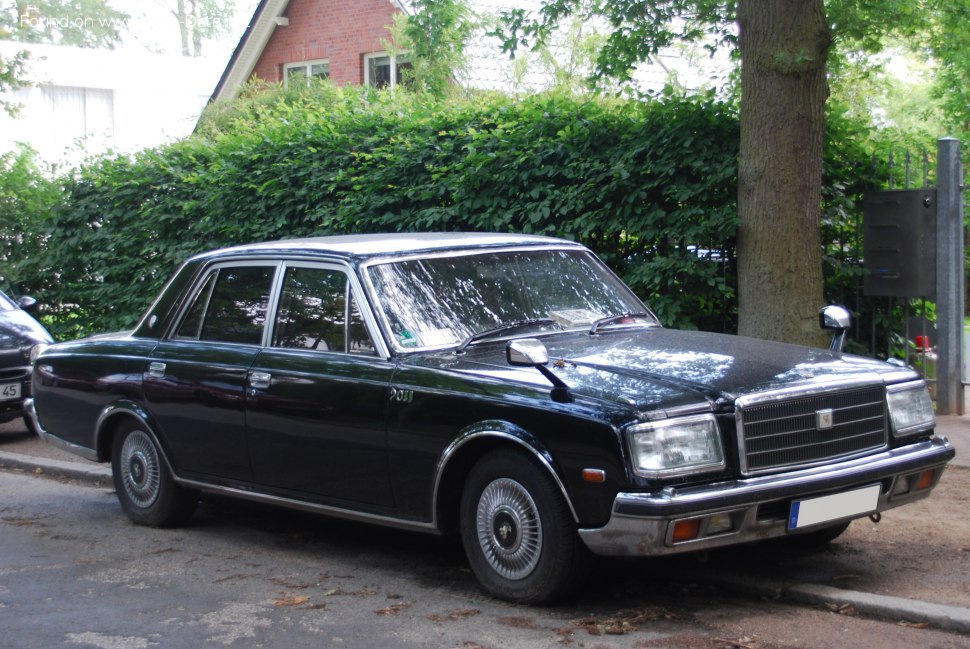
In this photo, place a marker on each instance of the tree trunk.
(784, 45)
(183, 26)
(196, 28)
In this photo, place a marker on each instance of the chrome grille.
(775, 434)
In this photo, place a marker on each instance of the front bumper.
(642, 524)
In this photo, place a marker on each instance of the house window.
(382, 70)
(305, 71)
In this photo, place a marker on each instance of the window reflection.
(230, 306)
(441, 301)
(314, 312)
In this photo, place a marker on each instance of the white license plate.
(815, 511)
(9, 391)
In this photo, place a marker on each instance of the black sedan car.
(20, 333)
(509, 388)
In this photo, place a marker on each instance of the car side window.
(358, 340)
(191, 327)
(314, 312)
(230, 306)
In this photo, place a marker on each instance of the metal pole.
(949, 279)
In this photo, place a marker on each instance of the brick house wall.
(340, 31)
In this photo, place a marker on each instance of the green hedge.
(649, 185)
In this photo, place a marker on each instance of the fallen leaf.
(844, 577)
(842, 609)
(914, 625)
(394, 609)
(291, 601)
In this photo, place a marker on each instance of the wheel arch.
(110, 420)
(471, 444)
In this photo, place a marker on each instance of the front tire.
(146, 490)
(519, 534)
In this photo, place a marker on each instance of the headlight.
(910, 408)
(673, 447)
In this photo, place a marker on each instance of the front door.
(318, 394)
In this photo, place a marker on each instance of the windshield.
(441, 301)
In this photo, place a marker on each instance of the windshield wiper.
(616, 319)
(503, 329)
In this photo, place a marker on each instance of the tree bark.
(784, 46)
(182, 18)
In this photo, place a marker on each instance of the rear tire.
(519, 534)
(146, 489)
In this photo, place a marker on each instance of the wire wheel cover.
(140, 469)
(509, 529)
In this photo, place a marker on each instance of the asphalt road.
(75, 572)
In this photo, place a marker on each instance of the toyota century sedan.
(507, 388)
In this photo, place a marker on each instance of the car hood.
(18, 328)
(656, 369)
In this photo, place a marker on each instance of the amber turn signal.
(594, 475)
(925, 480)
(686, 530)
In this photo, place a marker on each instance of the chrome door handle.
(260, 380)
(156, 370)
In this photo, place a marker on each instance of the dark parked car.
(19, 334)
(508, 387)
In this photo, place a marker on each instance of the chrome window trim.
(468, 252)
(196, 285)
(353, 282)
(785, 394)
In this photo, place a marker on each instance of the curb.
(881, 607)
(938, 616)
(58, 468)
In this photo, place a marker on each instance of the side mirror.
(27, 303)
(838, 320)
(529, 352)
(526, 352)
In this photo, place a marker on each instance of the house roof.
(266, 18)
(492, 68)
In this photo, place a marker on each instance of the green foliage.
(12, 78)
(649, 186)
(434, 37)
(27, 196)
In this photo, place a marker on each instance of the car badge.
(824, 419)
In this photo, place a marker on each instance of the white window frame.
(306, 66)
(395, 59)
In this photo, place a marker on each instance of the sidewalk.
(19, 450)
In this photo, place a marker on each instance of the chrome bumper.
(642, 523)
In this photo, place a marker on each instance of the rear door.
(196, 380)
(318, 393)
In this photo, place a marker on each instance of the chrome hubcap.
(140, 469)
(509, 529)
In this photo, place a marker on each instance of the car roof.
(375, 245)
